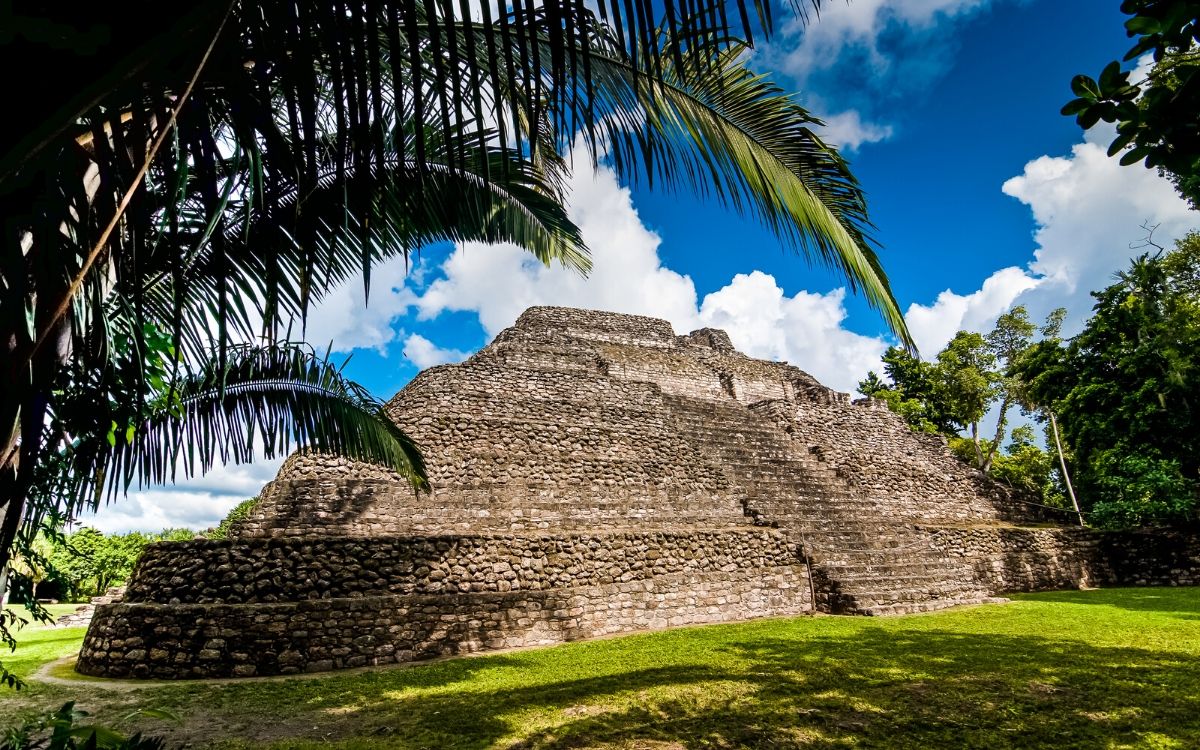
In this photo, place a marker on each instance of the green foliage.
(240, 512)
(62, 730)
(1125, 390)
(914, 392)
(966, 371)
(1024, 465)
(966, 381)
(1135, 490)
(1155, 117)
(88, 562)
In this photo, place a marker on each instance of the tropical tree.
(967, 381)
(1155, 116)
(1124, 391)
(912, 390)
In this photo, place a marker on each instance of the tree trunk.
(1062, 462)
(985, 465)
(975, 442)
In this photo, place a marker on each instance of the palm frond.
(262, 398)
(711, 126)
(489, 196)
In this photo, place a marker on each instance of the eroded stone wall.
(223, 640)
(241, 572)
(913, 475)
(1039, 559)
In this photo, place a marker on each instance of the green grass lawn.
(40, 643)
(1116, 668)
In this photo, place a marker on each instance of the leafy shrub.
(60, 730)
(240, 512)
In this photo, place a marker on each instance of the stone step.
(900, 567)
(908, 588)
(928, 606)
(864, 598)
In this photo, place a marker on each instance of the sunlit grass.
(40, 642)
(1098, 669)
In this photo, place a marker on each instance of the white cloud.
(499, 282)
(854, 31)
(347, 318)
(1088, 212)
(197, 503)
(424, 353)
(847, 131)
(932, 326)
(805, 329)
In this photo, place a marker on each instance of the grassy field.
(1100, 669)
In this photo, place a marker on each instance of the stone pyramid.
(593, 473)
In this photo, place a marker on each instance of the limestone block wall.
(240, 572)
(1039, 559)
(554, 429)
(672, 373)
(563, 450)
(205, 609)
(914, 475)
(595, 325)
(303, 507)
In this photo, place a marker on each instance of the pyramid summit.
(596, 473)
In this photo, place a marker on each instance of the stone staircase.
(862, 561)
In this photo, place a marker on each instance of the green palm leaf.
(712, 126)
(263, 398)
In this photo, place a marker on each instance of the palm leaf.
(719, 130)
(263, 398)
(490, 196)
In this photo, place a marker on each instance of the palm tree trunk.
(1062, 462)
(13, 499)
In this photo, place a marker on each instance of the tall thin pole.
(1063, 463)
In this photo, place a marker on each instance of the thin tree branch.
(73, 289)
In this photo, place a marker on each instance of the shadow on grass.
(922, 690)
(876, 686)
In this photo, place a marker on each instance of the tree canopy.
(967, 381)
(1125, 391)
(1155, 117)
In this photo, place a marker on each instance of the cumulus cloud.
(499, 282)
(198, 503)
(350, 320)
(847, 131)
(805, 329)
(424, 353)
(1088, 211)
(932, 326)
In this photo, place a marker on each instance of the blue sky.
(983, 195)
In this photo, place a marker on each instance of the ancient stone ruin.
(595, 473)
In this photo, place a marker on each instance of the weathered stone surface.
(595, 473)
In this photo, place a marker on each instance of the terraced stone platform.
(595, 473)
